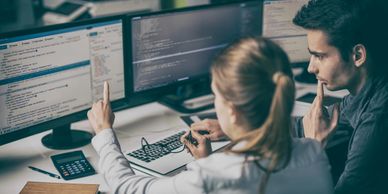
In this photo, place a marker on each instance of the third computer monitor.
(278, 26)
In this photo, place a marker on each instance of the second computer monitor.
(178, 46)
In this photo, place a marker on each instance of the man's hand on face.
(317, 123)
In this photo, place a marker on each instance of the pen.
(44, 172)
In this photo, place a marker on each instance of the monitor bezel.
(73, 117)
(153, 94)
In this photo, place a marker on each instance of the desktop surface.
(150, 120)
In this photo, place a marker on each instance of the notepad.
(58, 188)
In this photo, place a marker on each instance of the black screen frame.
(73, 117)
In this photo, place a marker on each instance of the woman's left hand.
(202, 150)
(101, 115)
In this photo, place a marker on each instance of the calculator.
(72, 165)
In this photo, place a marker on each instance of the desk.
(150, 120)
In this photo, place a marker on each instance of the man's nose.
(312, 68)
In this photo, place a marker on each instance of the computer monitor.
(50, 77)
(174, 49)
(278, 26)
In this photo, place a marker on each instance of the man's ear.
(359, 55)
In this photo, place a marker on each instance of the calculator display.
(68, 159)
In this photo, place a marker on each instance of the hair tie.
(276, 77)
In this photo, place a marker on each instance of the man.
(347, 40)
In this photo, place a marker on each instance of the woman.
(254, 97)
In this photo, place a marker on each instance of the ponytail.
(278, 123)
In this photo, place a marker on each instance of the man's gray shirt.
(366, 117)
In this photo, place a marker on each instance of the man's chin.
(332, 88)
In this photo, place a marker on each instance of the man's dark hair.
(351, 22)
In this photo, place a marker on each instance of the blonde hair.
(254, 74)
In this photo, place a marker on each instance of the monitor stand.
(65, 138)
(190, 98)
(190, 105)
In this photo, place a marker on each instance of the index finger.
(106, 92)
(183, 137)
(320, 94)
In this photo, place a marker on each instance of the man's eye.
(319, 57)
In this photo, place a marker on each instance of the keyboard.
(159, 149)
(164, 157)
